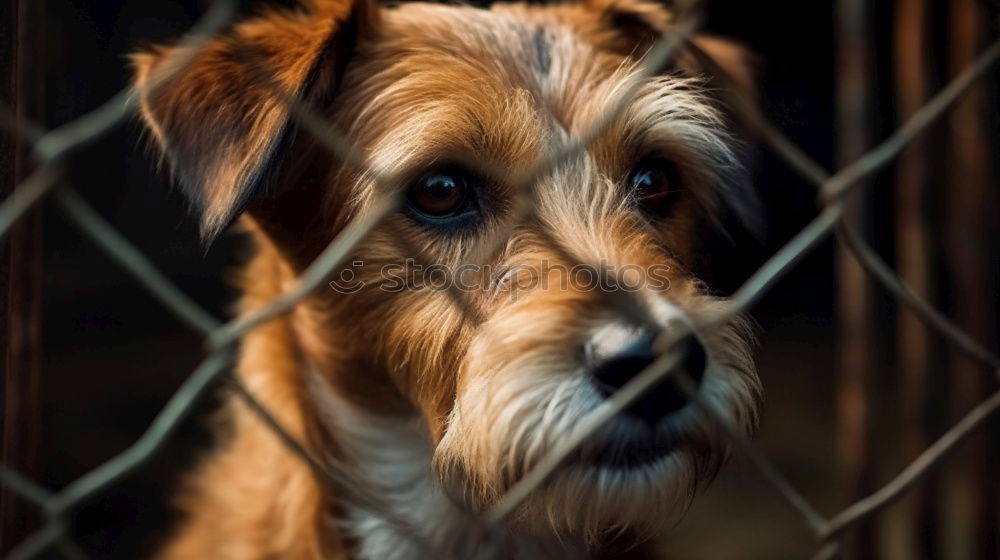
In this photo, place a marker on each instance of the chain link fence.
(53, 149)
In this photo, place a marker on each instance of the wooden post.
(854, 290)
(21, 79)
(914, 351)
(974, 483)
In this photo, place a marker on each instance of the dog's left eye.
(654, 184)
(439, 194)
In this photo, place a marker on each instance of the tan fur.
(480, 397)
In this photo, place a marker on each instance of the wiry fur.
(433, 408)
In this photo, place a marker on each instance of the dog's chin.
(593, 501)
(630, 480)
(638, 485)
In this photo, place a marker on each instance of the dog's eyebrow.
(542, 51)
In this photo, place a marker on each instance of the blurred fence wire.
(52, 149)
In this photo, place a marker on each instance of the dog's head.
(505, 343)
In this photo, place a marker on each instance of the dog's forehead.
(525, 46)
(497, 83)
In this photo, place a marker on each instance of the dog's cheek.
(459, 473)
(419, 336)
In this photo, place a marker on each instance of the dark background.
(113, 355)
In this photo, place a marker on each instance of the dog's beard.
(520, 404)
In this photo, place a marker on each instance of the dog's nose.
(663, 398)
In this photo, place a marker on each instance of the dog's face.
(520, 346)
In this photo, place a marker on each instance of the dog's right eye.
(655, 183)
(441, 196)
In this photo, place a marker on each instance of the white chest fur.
(390, 458)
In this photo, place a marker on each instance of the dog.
(439, 407)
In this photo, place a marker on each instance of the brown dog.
(438, 408)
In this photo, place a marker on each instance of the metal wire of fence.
(53, 148)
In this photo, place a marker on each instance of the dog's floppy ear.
(219, 120)
(637, 23)
(732, 71)
(739, 63)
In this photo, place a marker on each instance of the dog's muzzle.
(650, 428)
(666, 397)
